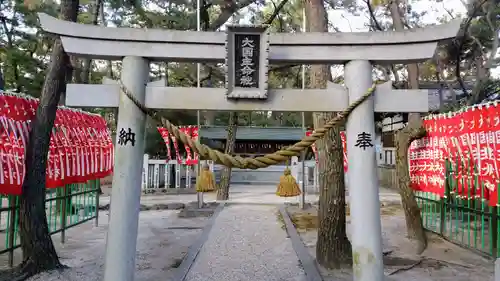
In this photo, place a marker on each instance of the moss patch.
(280, 219)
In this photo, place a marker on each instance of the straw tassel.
(205, 182)
(288, 187)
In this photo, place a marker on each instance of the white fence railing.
(159, 174)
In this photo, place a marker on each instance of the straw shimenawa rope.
(267, 160)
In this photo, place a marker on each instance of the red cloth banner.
(470, 141)
(80, 147)
(313, 146)
(189, 158)
(344, 148)
(166, 138)
(176, 147)
(194, 131)
(192, 158)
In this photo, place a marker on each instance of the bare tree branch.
(496, 31)
(372, 16)
(461, 37)
(228, 8)
(215, 72)
(276, 11)
(10, 45)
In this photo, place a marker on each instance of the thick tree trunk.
(223, 190)
(414, 226)
(87, 63)
(68, 78)
(2, 81)
(413, 130)
(333, 248)
(39, 253)
(83, 77)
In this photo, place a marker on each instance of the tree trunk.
(414, 226)
(333, 248)
(12, 61)
(2, 81)
(82, 77)
(87, 63)
(68, 77)
(223, 190)
(39, 253)
(413, 130)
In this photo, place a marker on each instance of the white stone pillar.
(306, 177)
(199, 195)
(366, 237)
(145, 175)
(316, 177)
(177, 175)
(302, 200)
(211, 164)
(294, 167)
(167, 175)
(156, 176)
(126, 191)
(187, 170)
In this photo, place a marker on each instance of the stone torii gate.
(247, 51)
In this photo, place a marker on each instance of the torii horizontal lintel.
(333, 99)
(155, 35)
(113, 43)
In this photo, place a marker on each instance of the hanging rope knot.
(288, 187)
(267, 160)
(206, 180)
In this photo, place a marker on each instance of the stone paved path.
(247, 243)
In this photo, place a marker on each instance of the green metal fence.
(464, 220)
(66, 207)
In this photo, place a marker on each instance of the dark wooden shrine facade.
(257, 147)
(253, 141)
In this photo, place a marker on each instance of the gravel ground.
(442, 261)
(247, 243)
(162, 242)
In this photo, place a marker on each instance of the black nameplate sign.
(246, 60)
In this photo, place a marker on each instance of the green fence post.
(442, 214)
(70, 188)
(494, 231)
(442, 203)
(97, 189)
(12, 229)
(64, 202)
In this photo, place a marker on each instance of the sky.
(347, 22)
